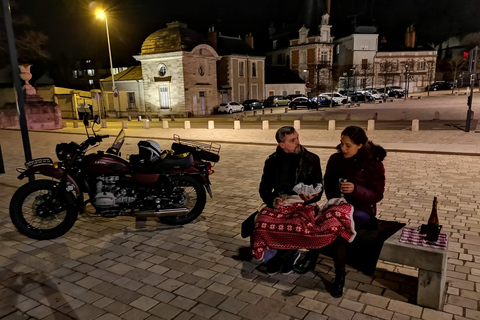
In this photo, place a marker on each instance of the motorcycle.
(170, 185)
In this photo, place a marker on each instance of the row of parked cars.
(328, 99)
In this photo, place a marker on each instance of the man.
(289, 165)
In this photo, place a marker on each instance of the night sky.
(74, 31)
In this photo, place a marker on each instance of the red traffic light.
(465, 56)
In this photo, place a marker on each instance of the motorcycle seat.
(141, 165)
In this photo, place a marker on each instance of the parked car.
(275, 101)
(396, 91)
(440, 85)
(290, 97)
(324, 100)
(252, 104)
(337, 97)
(378, 95)
(230, 107)
(361, 96)
(303, 102)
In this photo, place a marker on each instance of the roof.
(395, 46)
(234, 45)
(175, 37)
(131, 73)
(279, 74)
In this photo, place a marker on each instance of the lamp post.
(102, 15)
(406, 81)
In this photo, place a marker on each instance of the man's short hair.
(282, 132)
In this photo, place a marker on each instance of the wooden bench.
(431, 264)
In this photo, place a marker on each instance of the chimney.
(212, 37)
(249, 40)
(410, 37)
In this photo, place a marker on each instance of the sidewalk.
(428, 141)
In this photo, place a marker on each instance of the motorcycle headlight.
(64, 151)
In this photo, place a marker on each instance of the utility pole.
(472, 68)
(16, 80)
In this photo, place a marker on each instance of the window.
(240, 68)
(280, 59)
(131, 99)
(164, 98)
(274, 44)
(338, 49)
(254, 69)
(90, 82)
(91, 72)
(324, 56)
(364, 64)
(241, 89)
(421, 65)
(75, 74)
(162, 70)
(200, 71)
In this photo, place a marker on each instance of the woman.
(356, 173)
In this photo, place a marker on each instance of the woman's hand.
(306, 198)
(277, 203)
(347, 187)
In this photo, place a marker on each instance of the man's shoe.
(287, 267)
(274, 265)
(336, 290)
(306, 264)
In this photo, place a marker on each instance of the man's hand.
(347, 187)
(277, 203)
(306, 198)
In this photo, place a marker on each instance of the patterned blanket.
(297, 226)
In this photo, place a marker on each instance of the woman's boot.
(336, 290)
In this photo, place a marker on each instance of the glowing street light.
(102, 15)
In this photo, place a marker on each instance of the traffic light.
(465, 56)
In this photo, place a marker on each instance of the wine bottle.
(433, 224)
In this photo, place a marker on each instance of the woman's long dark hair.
(358, 136)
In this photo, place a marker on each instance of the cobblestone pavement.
(125, 269)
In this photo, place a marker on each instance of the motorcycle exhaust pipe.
(162, 213)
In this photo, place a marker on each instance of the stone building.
(179, 70)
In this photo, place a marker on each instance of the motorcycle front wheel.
(191, 195)
(37, 210)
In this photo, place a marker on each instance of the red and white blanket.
(297, 226)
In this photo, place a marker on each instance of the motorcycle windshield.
(117, 144)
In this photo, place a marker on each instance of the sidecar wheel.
(195, 199)
(34, 214)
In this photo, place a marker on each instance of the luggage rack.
(202, 150)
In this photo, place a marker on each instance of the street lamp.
(406, 82)
(102, 15)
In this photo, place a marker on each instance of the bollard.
(104, 124)
(331, 125)
(265, 125)
(211, 124)
(236, 125)
(139, 118)
(129, 118)
(375, 116)
(124, 125)
(146, 124)
(64, 124)
(75, 124)
(271, 110)
(436, 116)
(286, 110)
(254, 113)
(263, 111)
(296, 124)
(371, 125)
(172, 117)
(415, 125)
(165, 124)
(186, 124)
(348, 116)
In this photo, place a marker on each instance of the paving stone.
(312, 305)
(378, 312)
(405, 308)
(213, 299)
(232, 305)
(429, 314)
(338, 313)
(204, 310)
(165, 311)
(189, 291)
(374, 300)
(144, 303)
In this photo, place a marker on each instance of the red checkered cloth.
(296, 227)
(413, 236)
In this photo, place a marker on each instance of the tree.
(387, 71)
(456, 64)
(430, 74)
(30, 43)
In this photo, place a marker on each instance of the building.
(241, 70)
(362, 62)
(309, 55)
